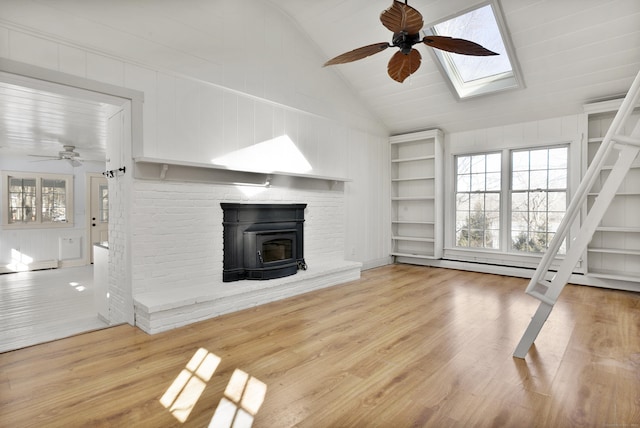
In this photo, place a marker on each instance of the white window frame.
(531, 190)
(39, 223)
(504, 256)
(484, 192)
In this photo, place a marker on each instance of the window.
(471, 76)
(478, 179)
(37, 200)
(103, 194)
(538, 197)
(518, 211)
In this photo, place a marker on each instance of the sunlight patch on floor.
(243, 395)
(19, 262)
(183, 394)
(243, 398)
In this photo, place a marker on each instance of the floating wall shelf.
(175, 170)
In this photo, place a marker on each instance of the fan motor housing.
(405, 41)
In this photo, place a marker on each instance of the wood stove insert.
(262, 241)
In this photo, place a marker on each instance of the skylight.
(477, 75)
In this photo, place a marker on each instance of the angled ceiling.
(570, 52)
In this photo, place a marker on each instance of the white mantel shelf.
(165, 169)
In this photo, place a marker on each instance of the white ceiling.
(39, 118)
(570, 52)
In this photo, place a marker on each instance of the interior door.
(99, 211)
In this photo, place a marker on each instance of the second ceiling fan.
(406, 22)
(69, 154)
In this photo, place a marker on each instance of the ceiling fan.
(69, 154)
(406, 22)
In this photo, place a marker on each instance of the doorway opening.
(93, 192)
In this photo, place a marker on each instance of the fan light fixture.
(406, 22)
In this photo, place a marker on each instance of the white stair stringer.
(548, 291)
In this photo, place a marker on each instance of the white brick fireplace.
(177, 249)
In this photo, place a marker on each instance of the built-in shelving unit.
(614, 251)
(417, 195)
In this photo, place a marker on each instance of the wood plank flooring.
(40, 306)
(404, 346)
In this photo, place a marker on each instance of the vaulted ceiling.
(570, 52)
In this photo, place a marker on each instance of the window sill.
(36, 226)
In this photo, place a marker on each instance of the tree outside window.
(54, 195)
(478, 185)
(22, 200)
(37, 200)
(538, 197)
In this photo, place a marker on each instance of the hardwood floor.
(40, 306)
(403, 346)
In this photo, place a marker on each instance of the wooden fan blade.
(402, 66)
(401, 17)
(357, 54)
(459, 46)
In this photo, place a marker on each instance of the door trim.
(87, 210)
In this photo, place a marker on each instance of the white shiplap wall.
(197, 107)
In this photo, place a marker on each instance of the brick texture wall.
(176, 234)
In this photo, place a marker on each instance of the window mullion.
(505, 202)
(38, 207)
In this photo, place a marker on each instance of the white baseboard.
(44, 264)
(371, 264)
(520, 273)
(73, 263)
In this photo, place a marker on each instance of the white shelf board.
(618, 194)
(614, 251)
(412, 198)
(417, 256)
(618, 229)
(413, 159)
(412, 238)
(413, 178)
(413, 222)
(610, 167)
(169, 162)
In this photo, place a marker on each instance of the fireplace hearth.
(262, 241)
